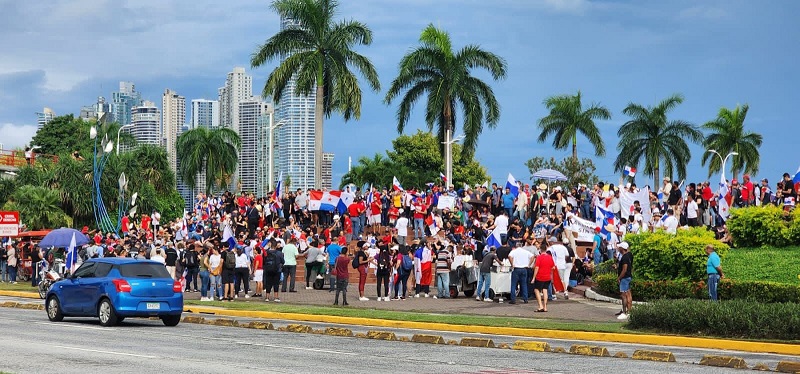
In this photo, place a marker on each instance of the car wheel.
(106, 313)
(171, 320)
(453, 292)
(469, 293)
(44, 286)
(54, 309)
(491, 294)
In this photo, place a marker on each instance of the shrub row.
(729, 319)
(660, 255)
(646, 290)
(764, 226)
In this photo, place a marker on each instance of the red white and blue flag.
(327, 200)
(444, 178)
(72, 254)
(278, 193)
(396, 184)
(629, 171)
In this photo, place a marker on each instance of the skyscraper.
(238, 87)
(327, 170)
(45, 116)
(173, 109)
(123, 102)
(250, 129)
(264, 159)
(186, 193)
(205, 113)
(146, 121)
(296, 136)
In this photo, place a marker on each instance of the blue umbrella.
(549, 175)
(60, 238)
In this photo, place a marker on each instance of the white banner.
(448, 202)
(584, 228)
(626, 200)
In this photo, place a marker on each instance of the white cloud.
(16, 136)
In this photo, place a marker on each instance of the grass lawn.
(20, 286)
(470, 320)
(763, 264)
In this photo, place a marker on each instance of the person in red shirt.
(347, 226)
(258, 270)
(542, 276)
(145, 222)
(124, 224)
(419, 218)
(374, 220)
(342, 274)
(747, 191)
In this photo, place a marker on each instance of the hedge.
(645, 290)
(729, 319)
(660, 255)
(764, 226)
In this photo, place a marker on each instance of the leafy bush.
(644, 290)
(728, 319)
(660, 255)
(780, 265)
(764, 225)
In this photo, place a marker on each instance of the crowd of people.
(230, 242)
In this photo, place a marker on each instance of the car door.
(70, 289)
(91, 287)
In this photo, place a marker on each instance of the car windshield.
(143, 270)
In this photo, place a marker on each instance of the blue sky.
(63, 54)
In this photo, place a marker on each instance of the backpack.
(230, 260)
(407, 264)
(82, 254)
(383, 261)
(356, 260)
(272, 264)
(191, 259)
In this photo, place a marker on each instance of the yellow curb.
(621, 355)
(477, 342)
(524, 345)
(193, 319)
(761, 367)
(658, 356)
(259, 325)
(338, 331)
(298, 328)
(659, 340)
(429, 339)
(9, 304)
(589, 350)
(724, 361)
(788, 367)
(381, 335)
(24, 294)
(223, 322)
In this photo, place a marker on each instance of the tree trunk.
(575, 147)
(318, 113)
(656, 181)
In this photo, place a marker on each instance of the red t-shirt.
(353, 210)
(419, 210)
(348, 225)
(341, 270)
(747, 191)
(545, 264)
(258, 263)
(707, 193)
(375, 207)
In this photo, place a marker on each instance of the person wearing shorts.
(624, 269)
(258, 271)
(542, 276)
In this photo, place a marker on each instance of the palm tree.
(377, 170)
(318, 53)
(39, 207)
(153, 167)
(728, 135)
(567, 118)
(648, 136)
(215, 151)
(445, 76)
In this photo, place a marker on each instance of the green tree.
(727, 134)
(567, 118)
(445, 76)
(318, 52)
(215, 151)
(660, 143)
(65, 134)
(376, 170)
(576, 171)
(39, 207)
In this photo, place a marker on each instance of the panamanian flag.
(444, 178)
(629, 171)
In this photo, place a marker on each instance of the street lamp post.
(271, 129)
(723, 159)
(448, 154)
(118, 132)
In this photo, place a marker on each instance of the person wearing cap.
(612, 239)
(563, 261)
(362, 260)
(714, 271)
(748, 194)
(542, 276)
(597, 242)
(333, 250)
(624, 276)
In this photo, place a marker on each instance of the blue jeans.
(205, 282)
(4, 270)
(586, 212)
(191, 278)
(216, 286)
(598, 257)
(36, 267)
(443, 285)
(484, 283)
(356, 226)
(12, 271)
(509, 212)
(518, 278)
(713, 282)
(419, 228)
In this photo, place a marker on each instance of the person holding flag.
(72, 256)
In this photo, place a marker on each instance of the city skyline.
(717, 53)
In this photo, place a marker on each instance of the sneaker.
(434, 296)
(309, 288)
(320, 277)
(554, 298)
(236, 296)
(488, 300)
(363, 299)
(386, 298)
(266, 299)
(417, 296)
(426, 295)
(246, 296)
(566, 296)
(619, 313)
(478, 298)
(622, 316)
(277, 300)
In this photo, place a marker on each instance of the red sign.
(9, 223)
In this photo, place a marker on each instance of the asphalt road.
(32, 344)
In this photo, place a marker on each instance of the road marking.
(106, 352)
(69, 325)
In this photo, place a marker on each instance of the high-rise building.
(265, 175)
(327, 170)
(238, 87)
(251, 131)
(45, 116)
(146, 124)
(96, 110)
(123, 102)
(173, 110)
(205, 113)
(186, 193)
(296, 137)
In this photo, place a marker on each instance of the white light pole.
(724, 160)
(271, 129)
(118, 132)
(448, 155)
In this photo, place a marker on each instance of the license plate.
(153, 306)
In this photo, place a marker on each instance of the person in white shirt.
(692, 213)
(563, 262)
(520, 260)
(401, 226)
(158, 257)
(612, 240)
(670, 223)
(501, 226)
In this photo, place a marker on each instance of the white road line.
(75, 326)
(298, 348)
(106, 352)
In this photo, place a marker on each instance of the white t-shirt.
(155, 218)
(691, 209)
(501, 224)
(402, 226)
(242, 261)
(613, 239)
(560, 254)
(520, 257)
(158, 258)
(214, 261)
(371, 252)
(670, 225)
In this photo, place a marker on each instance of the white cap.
(623, 245)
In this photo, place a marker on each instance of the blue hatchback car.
(115, 288)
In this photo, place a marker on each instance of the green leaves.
(764, 226)
(567, 119)
(213, 151)
(662, 256)
(576, 171)
(727, 134)
(39, 207)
